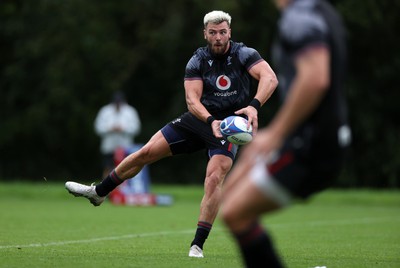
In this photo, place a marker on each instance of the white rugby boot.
(89, 192)
(196, 251)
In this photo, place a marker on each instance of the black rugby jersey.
(303, 24)
(226, 81)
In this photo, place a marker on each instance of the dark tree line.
(61, 60)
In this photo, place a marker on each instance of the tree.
(61, 61)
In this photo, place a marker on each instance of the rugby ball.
(234, 129)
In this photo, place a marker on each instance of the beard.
(218, 50)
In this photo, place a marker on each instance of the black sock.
(108, 184)
(203, 229)
(257, 248)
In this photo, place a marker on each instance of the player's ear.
(204, 32)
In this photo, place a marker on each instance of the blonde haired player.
(217, 84)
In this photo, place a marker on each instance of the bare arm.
(267, 83)
(193, 92)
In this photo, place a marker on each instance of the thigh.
(187, 134)
(157, 146)
(181, 140)
(155, 149)
(244, 203)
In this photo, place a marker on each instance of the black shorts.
(303, 174)
(187, 134)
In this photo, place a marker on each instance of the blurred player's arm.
(308, 88)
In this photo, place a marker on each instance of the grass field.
(41, 225)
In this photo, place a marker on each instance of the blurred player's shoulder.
(301, 20)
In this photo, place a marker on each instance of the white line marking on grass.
(93, 240)
(129, 236)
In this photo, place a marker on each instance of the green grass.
(41, 225)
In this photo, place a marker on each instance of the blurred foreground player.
(217, 84)
(301, 151)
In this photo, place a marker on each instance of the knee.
(225, 166)
(145, 155)
(235, 220)
(154, 150)
(216, 173)
(229, 217)
(212, 181)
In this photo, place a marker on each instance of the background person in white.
(117, 123)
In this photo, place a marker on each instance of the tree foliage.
(61, 61)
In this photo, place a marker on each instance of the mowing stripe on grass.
(278, 225)
(367, 220)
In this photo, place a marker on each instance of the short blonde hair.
(217, 17)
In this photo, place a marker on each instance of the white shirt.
(117, 128)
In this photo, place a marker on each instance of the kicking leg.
(156, 148)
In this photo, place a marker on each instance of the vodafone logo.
(223, 82)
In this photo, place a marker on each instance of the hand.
(263, 145)
(260, 148)
(215, 129)
(252, 117)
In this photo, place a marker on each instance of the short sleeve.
(302, 28)
(192, 70)
(249, 57)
